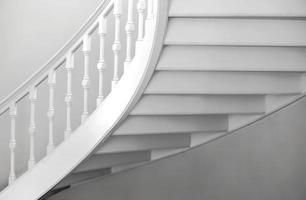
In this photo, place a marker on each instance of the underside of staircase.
(222, 65)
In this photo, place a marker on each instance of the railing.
(66, 57)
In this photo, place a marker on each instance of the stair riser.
(233, 58)
(248, 32)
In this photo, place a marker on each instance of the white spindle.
(12, 145)
(68, 99)
(101, 66)
(117, 45)
(50, 114)
(86, 79)
(129, 29)
(141, 7)
(32, 127)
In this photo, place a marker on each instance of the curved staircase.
(202, 69)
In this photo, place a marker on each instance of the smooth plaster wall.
(265, 161)
(32, 31)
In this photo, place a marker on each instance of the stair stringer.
(112, 111)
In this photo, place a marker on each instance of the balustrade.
(84, 40)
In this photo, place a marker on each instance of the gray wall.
(32, 31)
(266, 161)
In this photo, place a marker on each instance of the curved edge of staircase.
(100, 125)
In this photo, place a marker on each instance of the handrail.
(59, 58)
(109, 114)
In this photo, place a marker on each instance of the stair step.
(201, 138)
(190, 82)
(121, 168)
(237, 8)
(128, 143)
(233, 58)
(249, 32)
(99, 161)
(199, 104)
(238, 120)
(172, 124)
(75, 178)
(160, 153)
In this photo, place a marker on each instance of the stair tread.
(172, 124)
(189, 82)
(232, 58)
(249, 32)
(199, 104)
(129, 143)
(99, 161)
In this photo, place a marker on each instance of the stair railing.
(97, 22)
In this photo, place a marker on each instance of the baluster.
(141, 8)
(12, 145)
(50, 114)
(129, 29)
(86, 79)
(68, 99)
(117, 45)
(32, 127)
(101, 66)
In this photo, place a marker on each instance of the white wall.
(265, 161)
(32, 31)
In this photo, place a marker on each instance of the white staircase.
(205, 68)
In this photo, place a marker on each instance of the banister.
(59, 58)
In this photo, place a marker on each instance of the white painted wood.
(101, 66)
(141, 8)
(113, 159)
(12, 144)
(50, 114)
(66, 157)
(199, 104)
(128, 143)
(238, 120)
(225, 83)
(161, 153)
(257, 32)
(129, 29)
(68, 99)
(117, 44)
(32, 127)
(135, 125)
(120, 168)
(276, 101)
(150, 10)
(201, 138)
(86, 79)
(273, 8)
(232, 58)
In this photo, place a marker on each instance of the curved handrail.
(41, 74)
(100, 124)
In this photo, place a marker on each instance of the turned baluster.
(68, 99)
(50, 114)
(12, 145)
(32, 127)
(141, 8)
(86, 79)
(117, 45)
(129, 29)
(101, 66)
